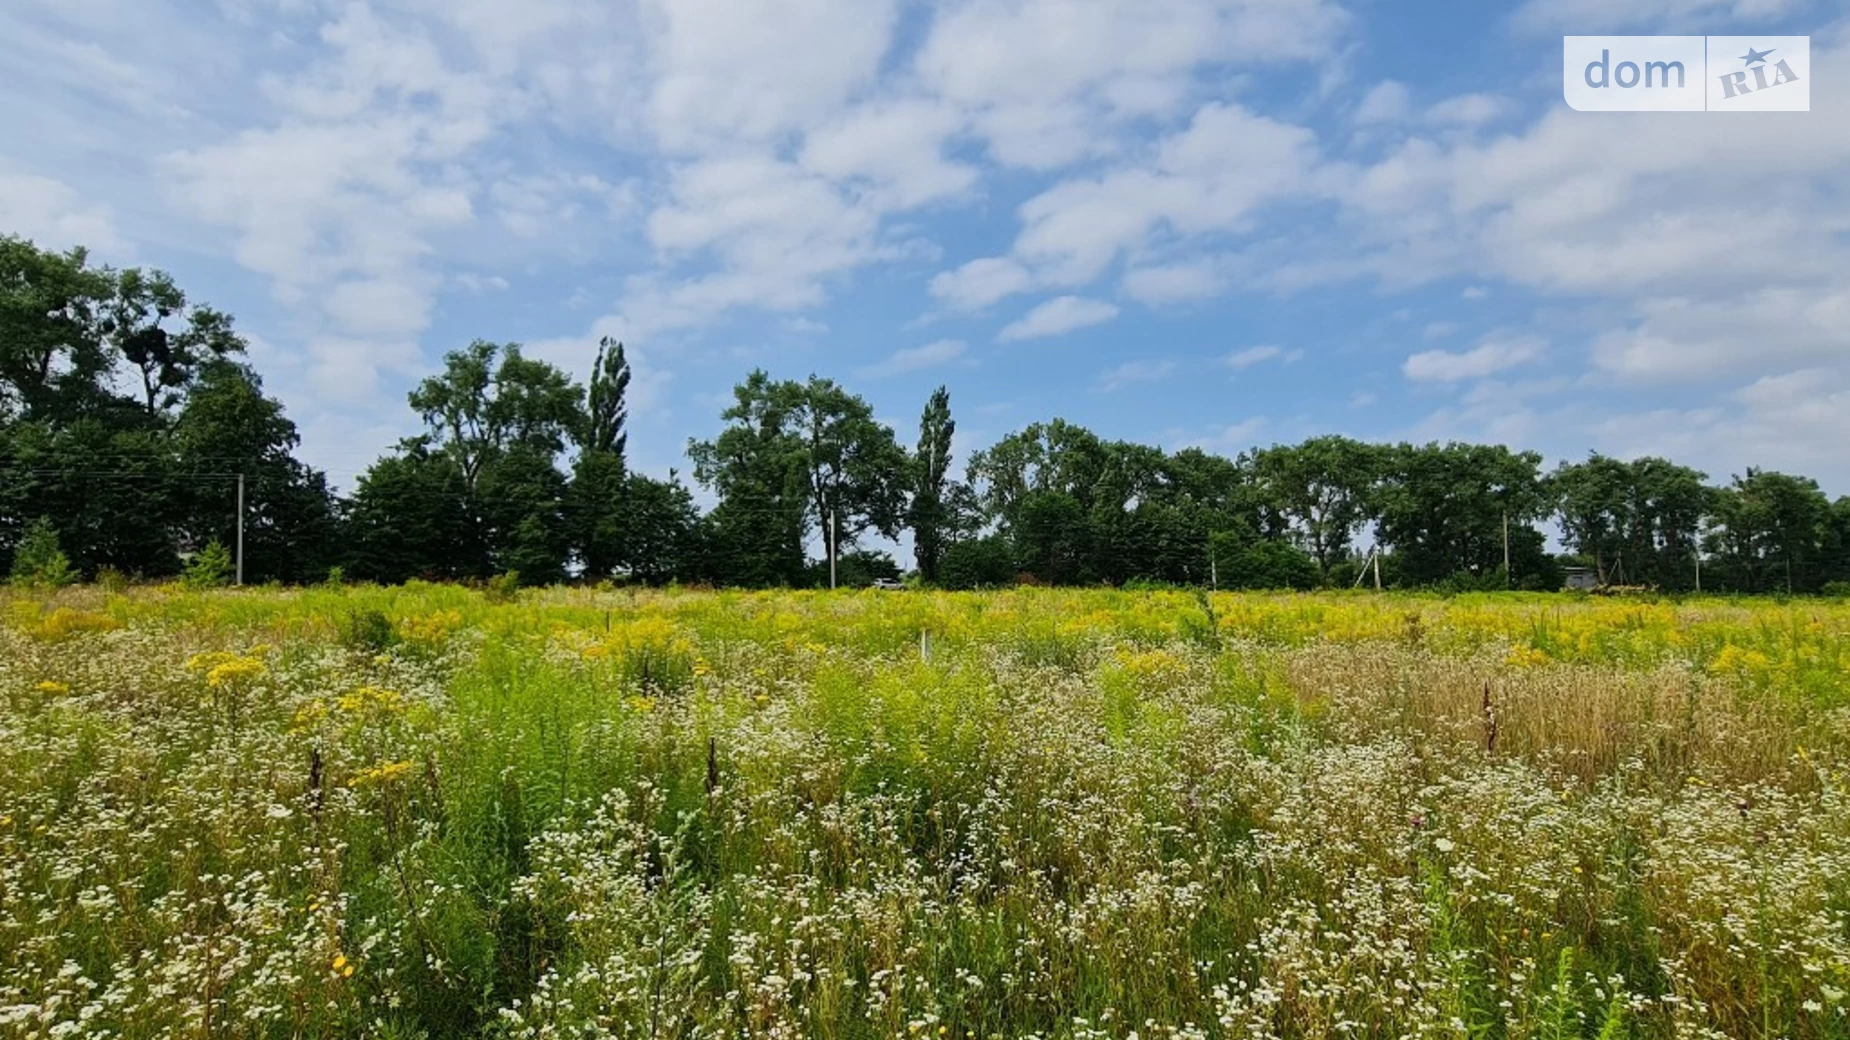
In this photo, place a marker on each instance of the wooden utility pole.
(240, 564)
(1506, 548)
(833, 534)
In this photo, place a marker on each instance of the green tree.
(1444, 511)
(794, 458)
(758, 468)
(38, 560)
(164, 360)
(52, 355)
(854, 466)
(660, 524)
(409, 518)
(1595, 501)
(211, 567)
(502, 419)
(1325, 487)
(1769, 531)
(229, 426)
(1639, 519)
(929, 514)
(596, 508)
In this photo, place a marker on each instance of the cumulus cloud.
(51, 213)
(1174, 283)
(1244, 359)
(981, 282)
(1058, 315)
(1487, 358)
(915, 359)
(1135, 372)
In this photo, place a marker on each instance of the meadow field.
(422, 812)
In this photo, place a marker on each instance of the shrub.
(1836, 589)
(111, 580)
(503, 588)
(210, 569)
(977, 563)
(367, 630)
(39, 560)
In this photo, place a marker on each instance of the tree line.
(128, 412)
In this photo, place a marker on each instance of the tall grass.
(1072, 814)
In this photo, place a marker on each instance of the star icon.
(1754, 57)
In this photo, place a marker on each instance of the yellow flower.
(1526, 657)
(642, 704)
(234, 671)
(340, 961)
(381, 774)
(371, 699)
(56, 689)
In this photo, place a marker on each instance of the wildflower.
(233, 671)
(642, 704)
(371, 700)
(55, 689)
(1443, 844)
(1831, 994)
(380, 774)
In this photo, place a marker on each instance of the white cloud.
(1058, 315)
(1388, 102)
(1467, 110)
(1135, 372)
(1047, 82)
(1684, 339)
(476, 283)
(1207, 178)
(914, 359)
(728, 74)
(51, 214)
(1176, 283)
(649, 378)
(980, 283)
(1229, 440)
(1243, 359)
(1489, 357)
(895, 148)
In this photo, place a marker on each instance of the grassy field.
(417, 813)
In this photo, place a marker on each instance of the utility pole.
(834, 534)
(240, 564)
(1698, 570)
(1213, 567)
(1377, 568)
(1506, 548)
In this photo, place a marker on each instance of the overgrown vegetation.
(1027, 813)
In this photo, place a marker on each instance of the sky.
(1218, 223)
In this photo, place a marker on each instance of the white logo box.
(1687, 73)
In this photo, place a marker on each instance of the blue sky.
(1223, 223)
